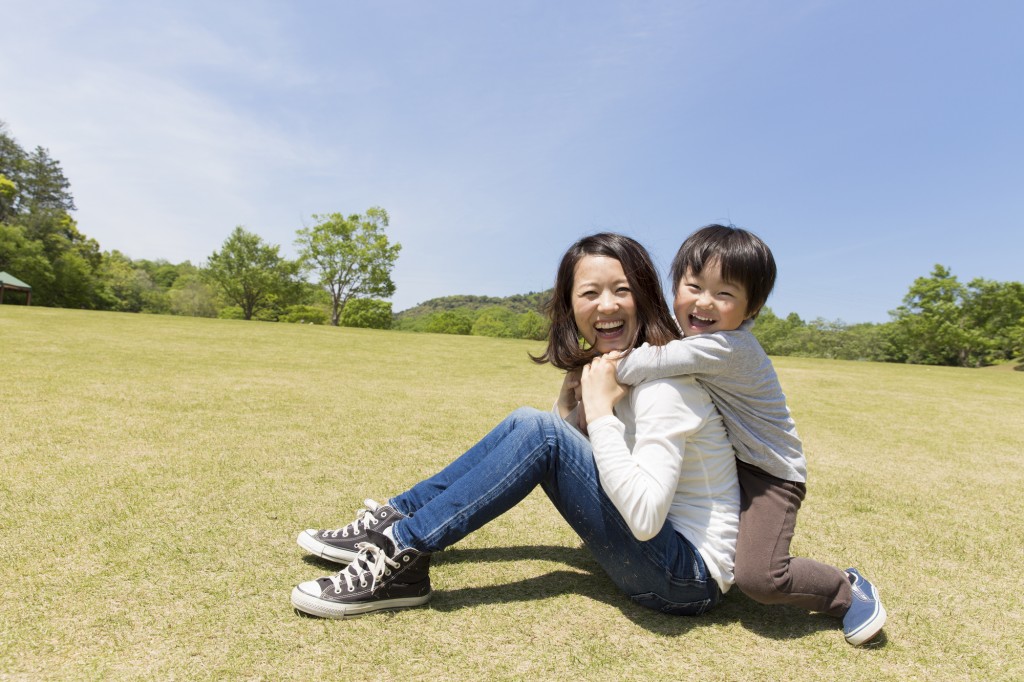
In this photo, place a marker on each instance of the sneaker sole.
(866, 632)
(314, 606)
(314, 546)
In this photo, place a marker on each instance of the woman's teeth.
(607, 327)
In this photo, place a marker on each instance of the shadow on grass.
(588, 580)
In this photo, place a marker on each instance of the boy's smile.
(707, 303)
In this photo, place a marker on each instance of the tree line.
(343, 275)
(941, 321)
(342, 272)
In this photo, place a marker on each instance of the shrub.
(303, 314)
(367, 313)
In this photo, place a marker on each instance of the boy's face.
(707, 303)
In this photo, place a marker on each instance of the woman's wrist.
(601, 409)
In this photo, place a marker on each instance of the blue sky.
(865, 141)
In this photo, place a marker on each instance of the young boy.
(722, 276)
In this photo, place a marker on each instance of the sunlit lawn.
(154, 472)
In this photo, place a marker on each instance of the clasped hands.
(592, 391)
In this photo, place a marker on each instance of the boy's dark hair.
(743, 257)
(654, 321)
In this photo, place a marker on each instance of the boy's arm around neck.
(702, 356)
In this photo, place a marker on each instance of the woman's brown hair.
(654, 322)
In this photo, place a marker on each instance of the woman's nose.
(606, 302)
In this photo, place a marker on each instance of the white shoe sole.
(314, 606)
(866, 632)
(307, 541)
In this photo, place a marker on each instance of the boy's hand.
(614, 356)
(601, 390)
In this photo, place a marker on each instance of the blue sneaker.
(866, 616)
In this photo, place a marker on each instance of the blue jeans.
(528, 448)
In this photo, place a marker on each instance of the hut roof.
(13, 282)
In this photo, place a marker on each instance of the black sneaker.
(339, 545)
(378, 578)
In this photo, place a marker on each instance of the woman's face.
(602, 303)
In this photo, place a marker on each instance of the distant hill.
(518, 303)
(516, 317)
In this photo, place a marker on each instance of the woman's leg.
(423, 492)
(533, 448)
(765, 571)
(341, 545)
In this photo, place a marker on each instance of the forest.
(342, 277)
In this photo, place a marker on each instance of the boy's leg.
(765, 571)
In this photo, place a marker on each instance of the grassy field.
(154, 472)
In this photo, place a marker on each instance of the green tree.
(8, 193)
(12, 168)
(496, 321)
(457, 321)
(127, 286)
(930, 328)
(777, 335)
(44, 185)
(367, 313)
(191, 295)
(996, 310)
(251, 274)
(26, 259)
(531, 325)
(350, 257)
(303, 314)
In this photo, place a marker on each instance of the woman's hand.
(601, 389)
(571, 393)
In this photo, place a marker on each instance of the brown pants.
(765, 571)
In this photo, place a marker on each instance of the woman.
(653, 492)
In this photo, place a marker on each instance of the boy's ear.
(751, 314)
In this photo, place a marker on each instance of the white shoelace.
(371, 561)
(364, 517)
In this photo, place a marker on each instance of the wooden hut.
(12, 283)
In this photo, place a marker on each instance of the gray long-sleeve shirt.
(742, 382)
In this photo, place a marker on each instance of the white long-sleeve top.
(664, 455)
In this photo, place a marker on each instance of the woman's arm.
(569, 395)
(640, 483)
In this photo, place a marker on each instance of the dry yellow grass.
(154, 472)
